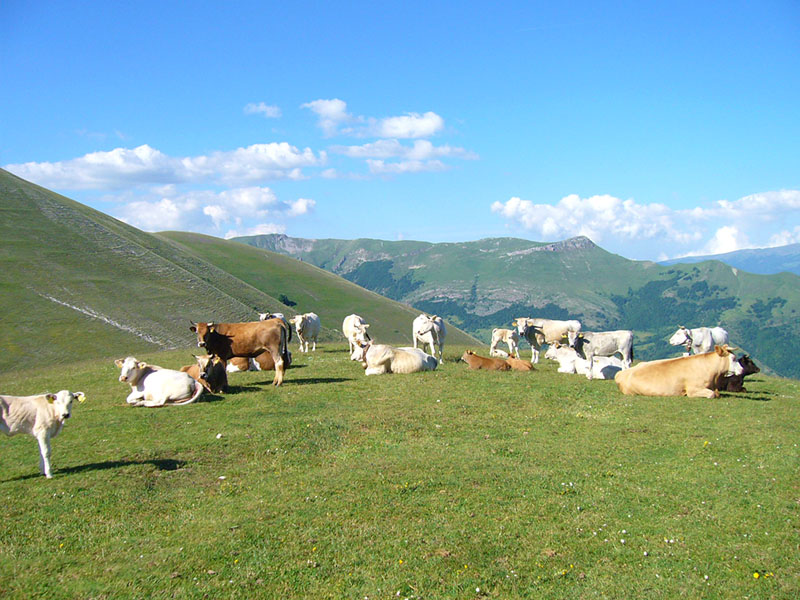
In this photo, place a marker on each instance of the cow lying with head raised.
(476, 362)
(41, 416)
(354, 329)
(544, 331)
(153, 386)
(734, 383)
(694, 376)
(381, 358)
(227, 340)
(210, 372)
(602, 367)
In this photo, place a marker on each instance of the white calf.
(41, 416)
(354, 329)
(154, 386)
(307, 327)
(431, 331)
(507, 336)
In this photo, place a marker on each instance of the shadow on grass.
(315, 380)
(162, 464)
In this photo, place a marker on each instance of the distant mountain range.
(488, 283)
(764, 261)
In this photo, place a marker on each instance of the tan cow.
(227, 340)
(476, 362)
(518, 364)
(695, 376)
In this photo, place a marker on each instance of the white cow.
(591, 344)
(431, 331)
(603, 367)
(381, 358)
(41, 416)
(700, 339)
(543, 331)
(507, 336)
(154, 386)
(354, 329)
(307, 327)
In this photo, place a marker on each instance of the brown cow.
(694, 376)
(210, 372)
(735, 383)
(517, 364)
(262, 362)
(227, 340)
(480, 362)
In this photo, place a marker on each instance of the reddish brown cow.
(517, 364)
(227, 340)
(209, 371)
(480, 362)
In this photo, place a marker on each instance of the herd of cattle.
(707, 366)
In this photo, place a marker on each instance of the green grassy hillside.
(76, 283)
(485, 284)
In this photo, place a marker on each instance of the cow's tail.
(283, 350)
(198, 390)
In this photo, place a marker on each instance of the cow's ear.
(118, 362)
(193, 329)
(79, 396)
(365, 325)
(50, 398)
(142, 365)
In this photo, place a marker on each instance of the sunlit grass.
(448, 484)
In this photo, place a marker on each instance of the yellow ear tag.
(82, 398)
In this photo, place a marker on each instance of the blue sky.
(657, 129)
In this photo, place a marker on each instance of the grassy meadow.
(447, 484)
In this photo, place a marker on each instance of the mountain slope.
(485, 284)
(765, 261)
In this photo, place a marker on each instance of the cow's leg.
(44, 454)
(534, 355)
(134, 397)
(280, 367)
(590, 375)
(314, 348)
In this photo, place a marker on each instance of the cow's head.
(467, 353)
(129, 367)
(360, 351)
(734, 367)
(203, 330)
(748, 366)
(62, 402)
(681, 337)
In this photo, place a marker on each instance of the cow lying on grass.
(210, 372)
(601, 367)
(481, 362)
(694, 376)
(154, 386)
(517, 364)
(41, 416)
(262, 362)
(382, 358)
(734, 383)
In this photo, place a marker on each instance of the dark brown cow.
(480, 362)
(227, 340)
(210, 372)
(735, 383)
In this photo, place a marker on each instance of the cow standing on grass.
(41, 416)
(700, 339)
(307, 327)
(248, 340)
(430, 331)
(354, 329)
(539, 332)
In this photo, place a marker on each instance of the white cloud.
(331, 114)
(261, 229)
(125, 167)
(379, 167)
(420, 150)
(269, 111)
(411, 125)
(621, 225)
(209, 211)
